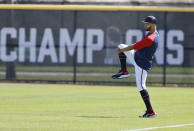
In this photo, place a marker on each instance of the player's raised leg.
(123, 73)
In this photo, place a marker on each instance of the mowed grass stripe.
(90, 108)
(160, 127)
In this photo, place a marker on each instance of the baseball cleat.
(149, 114)
(121, 74)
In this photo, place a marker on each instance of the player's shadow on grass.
(97, 117)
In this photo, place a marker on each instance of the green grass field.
(44, 107)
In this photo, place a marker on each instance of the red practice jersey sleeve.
(145, 42)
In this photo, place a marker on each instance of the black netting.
(80, 46)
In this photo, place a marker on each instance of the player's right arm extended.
(128, 48)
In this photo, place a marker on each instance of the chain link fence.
(75, 46)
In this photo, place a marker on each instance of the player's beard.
(148, 29)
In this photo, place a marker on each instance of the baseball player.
(140, 54)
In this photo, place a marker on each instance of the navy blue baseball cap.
(150, 19)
